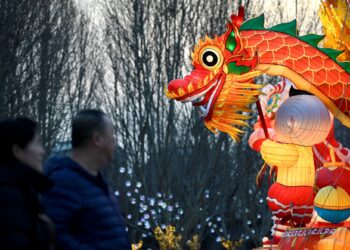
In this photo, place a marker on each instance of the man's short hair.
(85, 124)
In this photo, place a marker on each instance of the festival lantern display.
(289, 132)
(332, 204)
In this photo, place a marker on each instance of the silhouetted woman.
(22, 222)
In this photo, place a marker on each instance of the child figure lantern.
(291, 197)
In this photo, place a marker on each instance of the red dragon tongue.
(195, 77)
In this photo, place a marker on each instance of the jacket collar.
(97, 180)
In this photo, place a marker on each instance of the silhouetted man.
(85, 212)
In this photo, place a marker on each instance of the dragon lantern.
(221, 86)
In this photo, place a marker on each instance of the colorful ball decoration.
(303, 120)
(332, 204)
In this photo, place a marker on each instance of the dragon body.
(222, 82)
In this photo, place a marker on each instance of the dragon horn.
(237, 20)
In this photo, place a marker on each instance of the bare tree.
(48, 64)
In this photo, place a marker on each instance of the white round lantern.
(302, 120)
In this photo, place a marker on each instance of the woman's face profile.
(32, 154)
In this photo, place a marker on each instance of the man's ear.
(96, 139)
(16, 151)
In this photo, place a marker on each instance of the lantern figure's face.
(302, 120)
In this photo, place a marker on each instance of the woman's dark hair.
(18, 131)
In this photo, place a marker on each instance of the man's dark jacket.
(85, 213)
(23, 225)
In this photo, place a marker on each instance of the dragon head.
(221, 84)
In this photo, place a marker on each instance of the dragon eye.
(211, 58)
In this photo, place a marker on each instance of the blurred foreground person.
(22, 222)
(85, 212)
